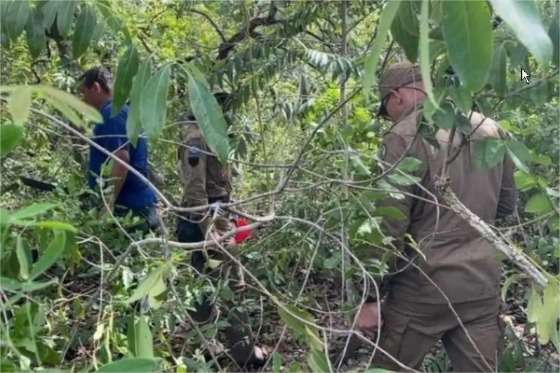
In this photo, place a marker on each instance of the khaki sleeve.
(508, 192)
(394, 146)
(193, 169)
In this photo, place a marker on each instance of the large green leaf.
(152, 285)
(208, 114)
(83, 34)
(519, 154)
(539, 204)
(128, 66)
(499, 72)
(136, 365)
(23, 258)
(523, 18)
(69, 105)
(133, 122)
(489, 152)
(19, 104)
(372, 59)
(17, 13)
(554, 33)
(468, 36)
(405, 29)
(424, 52)
(35, 32)
(65, 16)
(30, 211)
(140, 339)
(10, 136)
(153, 109)
(51, 255)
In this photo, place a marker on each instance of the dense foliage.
(79, 291)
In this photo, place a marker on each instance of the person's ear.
(97, 87)
(396, 96)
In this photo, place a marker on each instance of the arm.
(118, 173)
(508, 193)
(193, 171)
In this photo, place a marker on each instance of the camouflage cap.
(396, 76)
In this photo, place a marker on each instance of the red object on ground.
(244, 235)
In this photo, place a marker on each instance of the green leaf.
(539, 204)
(444, 117)
(128, 66)
(410, 164)
(462, 98)
(67, 103)
(276, 362)
(523, 18)
(51, 255)
(133, 122)
(390, 212)
(405, 29)
(317, 361)
(524, 181)
(152, 285)
(499, 71)
(424, 52)
(372, 59)
(19, 104)
(10, 137)
(35, 33)
(83, 34)
(468, 36)
(208, 114)
(65, 16)
(31, 211)
(143, 340)
(56, 225)
(137, 365)
(23, 258)
(17, 14)
(489, 152)
(153, 109)
(519, 154)
(291, 315)
(554, 33)
(549, 313)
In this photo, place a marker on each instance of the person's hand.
(368, 318)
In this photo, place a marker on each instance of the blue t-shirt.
(111, 135)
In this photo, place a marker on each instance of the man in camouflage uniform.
(414, 312)
(206, 181)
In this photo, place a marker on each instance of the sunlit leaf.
(133, 122)
(523, 18)
(23, 258)
(10, 137)
(539, 204)
(51, 255)
(143, 340)
(137, 365)
(151, 285)
(17, 14)
(127, 68)
(468, 36)
(153, 109)
(35, 32)
(208, 114)
(519, 154)
(19, 104)
(424, 52)
(31, 211)
(372, 59)
(65, 16)
(66, 100)
(84, 30)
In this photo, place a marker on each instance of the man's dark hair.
(97, 74)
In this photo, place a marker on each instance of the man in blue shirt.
(129, 192)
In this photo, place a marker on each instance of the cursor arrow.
(524, 76)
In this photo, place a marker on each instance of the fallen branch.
(515, 255)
